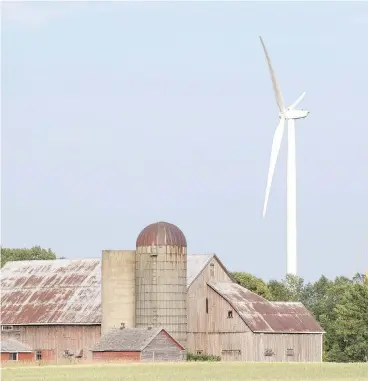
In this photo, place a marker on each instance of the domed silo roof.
(161, 234)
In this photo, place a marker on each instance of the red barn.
(14, 350)
(138, 344)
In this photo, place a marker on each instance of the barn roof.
(127, 339)
(51, 292)
(260, 315)
(196, 263)
(13, 346)
(61, 291)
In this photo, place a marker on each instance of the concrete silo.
(117, 289)
(161, 279)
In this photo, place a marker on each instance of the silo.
(161, 279)
(117, 289)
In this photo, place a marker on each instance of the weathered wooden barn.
(54, 306)
(138, 344)
(14, 350)
(60, 307)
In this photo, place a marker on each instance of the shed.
(14, 350)
(138, 344)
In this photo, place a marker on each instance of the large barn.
(60, 308)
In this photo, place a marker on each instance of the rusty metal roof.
(13, 346)
(161, 233)
(51, 292)
(260, 315)
(60, 291)
(128, 339)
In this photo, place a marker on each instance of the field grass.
(189, 372)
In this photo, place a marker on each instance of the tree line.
(339, 305)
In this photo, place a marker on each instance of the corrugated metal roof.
(13, 346)
(51, 292)
(60, 291)
(260, 315)
(161, 233)
(127, 339)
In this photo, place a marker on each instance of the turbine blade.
(276, 143)
(297, 101)
(276, 87)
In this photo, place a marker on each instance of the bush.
(202, 357)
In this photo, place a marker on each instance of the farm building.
(14, 350)
(138, 344)
(62, 307)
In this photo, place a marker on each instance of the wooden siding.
(58, 338)
(303, 347)
(197, 294)
(200, 324)
(163, 348)
(216, 333)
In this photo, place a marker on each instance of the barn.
(138, 344)
(54, 306)
(14, 350)
(62, 307)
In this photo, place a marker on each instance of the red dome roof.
(161, 234)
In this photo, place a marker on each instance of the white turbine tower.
(289, 114)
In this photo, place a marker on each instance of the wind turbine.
(289, 114)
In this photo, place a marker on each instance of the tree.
(252, 283)
(34, 253)
(327, 295)
(351, 325)
(359, 278)
(315, 296)
(290, 289)
(279, 291)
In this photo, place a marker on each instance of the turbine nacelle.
(293, 114)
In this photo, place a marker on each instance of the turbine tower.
(289, 114)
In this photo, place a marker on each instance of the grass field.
(189, 372)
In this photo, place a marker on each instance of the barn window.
(268, 352)
(13, 356)
(230, 314)
(6, 327)
(199, 351)
(290, 352)
(206, 305)
(212, 269)
(38, 355)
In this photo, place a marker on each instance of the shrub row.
(202, 357)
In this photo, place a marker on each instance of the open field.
(188, 372)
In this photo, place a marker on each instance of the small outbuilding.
(14, 350)
(138, 344)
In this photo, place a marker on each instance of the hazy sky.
(116, 115)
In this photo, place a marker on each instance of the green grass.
(189, 372)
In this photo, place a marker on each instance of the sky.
(116, 115)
